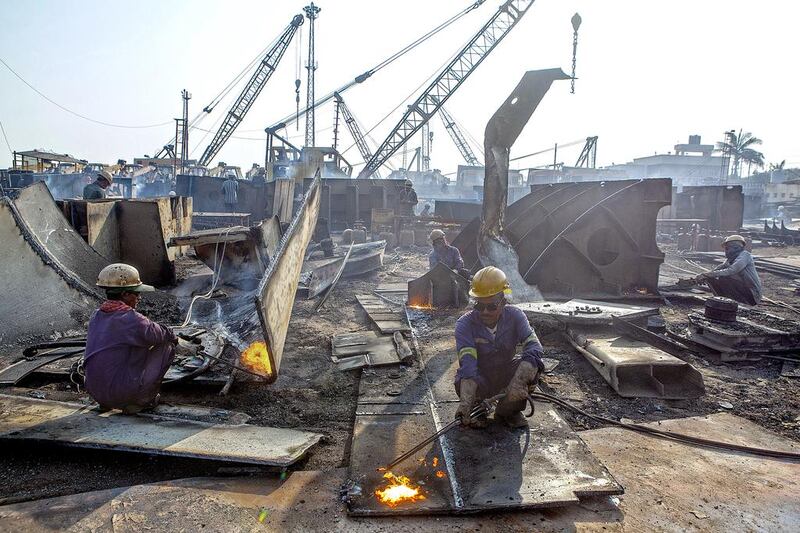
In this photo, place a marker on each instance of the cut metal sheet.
(367, 348)
(746, 337)
(275, 294)
(15, 373)
(387, 319)
(637, 370)
(439, 287)
(64, 299)
(502, 131)
(78, 425)
(586, 311)
(589, 240)
(545, 465)
(242, 251)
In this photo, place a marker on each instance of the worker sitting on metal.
(486, 340)
(443, 252)
(127, 354)
(97, 189)
(736, 278)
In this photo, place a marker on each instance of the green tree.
(740, 147)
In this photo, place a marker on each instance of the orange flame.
(435, 461)
(256, 358)
(440, 474)
(398, 491)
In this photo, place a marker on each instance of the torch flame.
(398, 491)
(256, 358)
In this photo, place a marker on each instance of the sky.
(650, 73)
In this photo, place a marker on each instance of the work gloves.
(468, 391)
(524, 377)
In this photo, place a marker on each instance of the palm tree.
(752, 158)
(739, 146)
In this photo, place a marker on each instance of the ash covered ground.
(311, 395)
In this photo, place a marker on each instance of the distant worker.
(407, 200)
(486, 340)
(230, 188)
(97, 189)
(445, 253)
(736, 278)
(127, 355)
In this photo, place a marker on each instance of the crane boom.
(450, 79)
(458, 138)
(251, 91)
(355, 129)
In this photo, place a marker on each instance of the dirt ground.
(311, 395)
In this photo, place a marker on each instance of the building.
(692, 163)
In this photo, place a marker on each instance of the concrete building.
(691, 164)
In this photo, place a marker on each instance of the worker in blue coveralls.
(486, 340)
(443, 252)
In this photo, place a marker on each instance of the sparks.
(256, 358)
(398, 491)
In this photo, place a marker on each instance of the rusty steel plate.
(275, 295)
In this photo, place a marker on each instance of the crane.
(251, 91)
(458, 138)
(355, 129)
(448, 80)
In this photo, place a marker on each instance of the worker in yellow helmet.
(486, 340)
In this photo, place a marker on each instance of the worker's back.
(93, 191)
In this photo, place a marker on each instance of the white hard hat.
(106, 175)
(734, 238)
(122, 276)
(436, 235)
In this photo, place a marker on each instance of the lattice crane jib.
(251, 91)
(458, 137)
(355, 130)
(448, 80)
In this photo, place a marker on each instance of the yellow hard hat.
(734, 238)
(436, 235)
(106, 175)
(488, 281)
(121, 276)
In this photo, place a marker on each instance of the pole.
(312, 12)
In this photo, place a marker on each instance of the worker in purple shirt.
(127, 354)
(486, 340)
(443, 252)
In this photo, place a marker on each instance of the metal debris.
(77, 425)
(637, 370)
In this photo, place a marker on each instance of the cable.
(6, 138)
(670, 435)
(363, 77)
(214, 278)
(406, 99)
(84, 117)
(565, 145)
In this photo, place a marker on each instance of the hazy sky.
(651, 72)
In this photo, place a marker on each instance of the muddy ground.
(311, 395)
